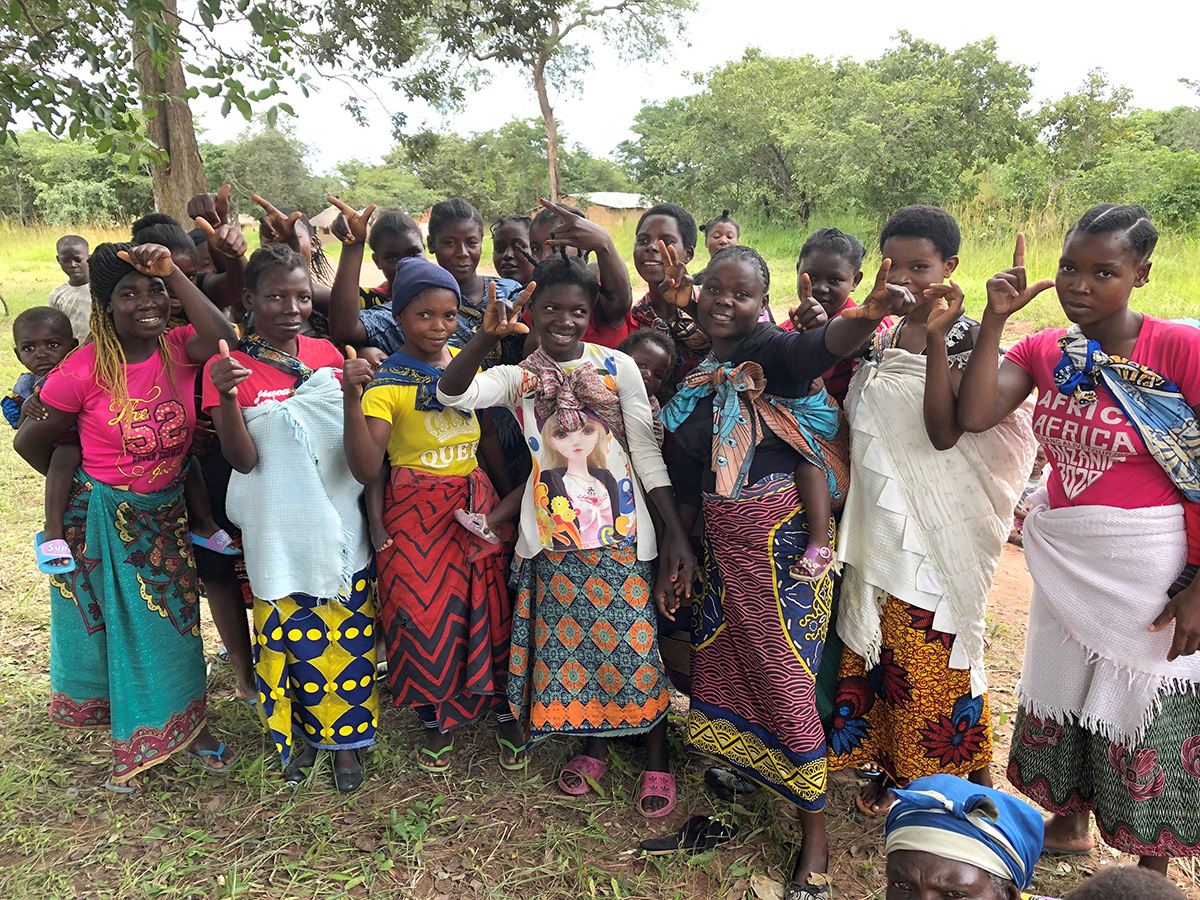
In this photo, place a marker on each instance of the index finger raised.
(344, 207)
(1019, 251)
(805, 287)
(881, 278)
(266, 205)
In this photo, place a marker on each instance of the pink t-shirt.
(267, 382)
(144, 452)
(1096, 456)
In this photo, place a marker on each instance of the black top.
(790, 362)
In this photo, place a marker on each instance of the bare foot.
(1069, 834)
(982, 777)
(380, 539)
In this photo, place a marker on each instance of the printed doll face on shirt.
(139, 305)
(40, 346)
(281, 304)
(731, 299)
(428, 322)
(574, 446)
(394, 248)
(916, 264)
(833, 279)
(561, 314)
(507, 243)
(1096, 275)
(723, 234)
(458, 247)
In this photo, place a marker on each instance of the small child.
(654, 354)
(73, 297)
(1037, 477)
(393, 236)
(720, 232)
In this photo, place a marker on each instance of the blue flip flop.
(48, 551)
(218, 542)
(202, 756)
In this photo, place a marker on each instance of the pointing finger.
(223, 193)
(368, 212)
(524, 297)
(266, 205)
(805, 287)
(1019, 251)
(880, 279)
(344, 207)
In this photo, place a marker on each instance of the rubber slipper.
(48, 551)
(822, 889)
(660, 785)
(699, 834)
(203, 757)
(437, 767)
(223, 656)
(124, 789)
(728, 785)
(218, 542)
(585, 767)
(476, 523)
(520, 759)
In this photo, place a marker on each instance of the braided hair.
(746, 254)
(559, 269)
(836, 242)
(107, 270)
(1131, 221)
(724, 217)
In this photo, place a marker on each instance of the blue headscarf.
(955, 819)
(413, 275)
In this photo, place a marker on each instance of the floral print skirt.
(1145, 797)
(911, 715)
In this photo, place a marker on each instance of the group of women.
(465, 405)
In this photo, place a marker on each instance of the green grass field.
(478, 833)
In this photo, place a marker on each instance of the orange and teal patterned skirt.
(911, 715)
(125, 648)
(584, 657)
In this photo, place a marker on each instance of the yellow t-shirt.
(441, 443)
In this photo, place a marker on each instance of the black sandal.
(728, 784)
(699, 834)
(883, 784)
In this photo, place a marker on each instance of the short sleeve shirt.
(267, 382)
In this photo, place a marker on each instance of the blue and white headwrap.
(955, 819)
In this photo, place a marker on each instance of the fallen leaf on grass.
(738, 891)
(365, 843)
(858, 850)
(766, 888)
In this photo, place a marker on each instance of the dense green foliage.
(786, 137)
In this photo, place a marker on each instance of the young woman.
(759, 634)
(125, 649)
(1108, 721)
(444, 601)
(584, 655)
(277, 407)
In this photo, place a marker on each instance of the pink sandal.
(585, 767)
(656, 784)
(476, 523)
(813, 565)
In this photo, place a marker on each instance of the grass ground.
(479, 833)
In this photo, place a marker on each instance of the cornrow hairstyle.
(154, 218)
(930, 222)
(748, 254)
(723, 217)
(446, 213)
(561, 269)
(269, 257)
(390, 223)
(1129, 220)
(517, 219)
(836, 242)
(648, 336)
(168, 234)
(47, 317)
(107, 270)
(687, 224)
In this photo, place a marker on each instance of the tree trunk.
(539, 84)
(180, 175)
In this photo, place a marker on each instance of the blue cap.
(413, 275)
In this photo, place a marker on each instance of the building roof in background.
(615, 199)
(325, 218)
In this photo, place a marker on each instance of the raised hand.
(1009, 291)
(356, 373)
(213, 208)
(502, 318)
(227, 373)
(677, 284)
(226, 240)
(885, 299)
(575, 231)
(355, 230)
(282, 227)
(948, 306)
(149, 259)
(808, 314)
